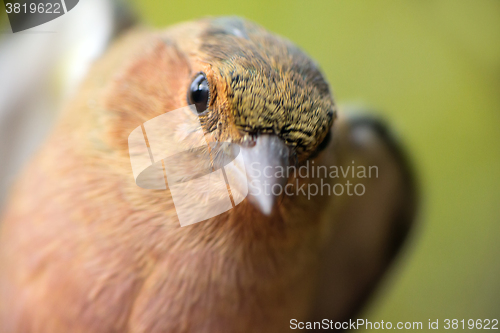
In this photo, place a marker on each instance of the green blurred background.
(432, 69)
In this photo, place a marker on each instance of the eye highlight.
(199, 93)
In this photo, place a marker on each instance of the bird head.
(248, 87)
(248, 82)
(258, 90)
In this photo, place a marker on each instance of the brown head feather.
(269, 85)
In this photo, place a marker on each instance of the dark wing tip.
(405, 216)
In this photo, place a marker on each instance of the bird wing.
(367, 230)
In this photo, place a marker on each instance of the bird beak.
(266, 165)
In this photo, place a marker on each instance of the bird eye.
(199, 93)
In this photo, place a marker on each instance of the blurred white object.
(40, 68)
